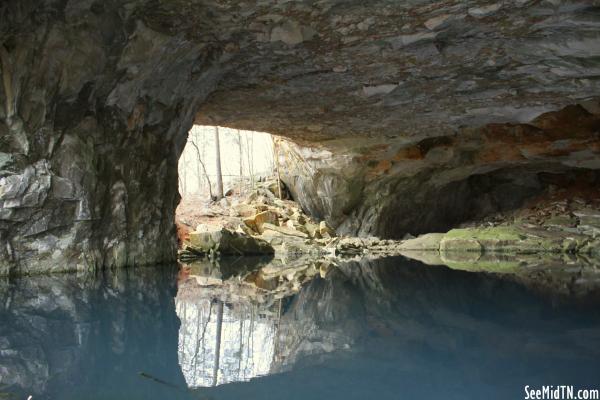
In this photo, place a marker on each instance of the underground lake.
(389, 328)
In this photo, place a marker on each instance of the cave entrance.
(245, 159)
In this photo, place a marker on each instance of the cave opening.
(216, 159)
(490, 198)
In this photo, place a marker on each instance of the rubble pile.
(259, 224)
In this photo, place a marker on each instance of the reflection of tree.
(237, 345)
(218, 342)
(201, 340)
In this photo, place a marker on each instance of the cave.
(391, 111)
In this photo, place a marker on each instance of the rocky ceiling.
(328, 69)
(97, 98)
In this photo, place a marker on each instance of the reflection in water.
(106, 336)
(230, 321)
(367, 329)
(222, 343)
(374, 328)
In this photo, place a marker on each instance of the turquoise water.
(390, 329)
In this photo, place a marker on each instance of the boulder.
(227, 242)
(298, 217)
(430, 241)
(257, 221)
(245, 210)
(325, 229)
(268, 228)
(296, 226)
(313, 230)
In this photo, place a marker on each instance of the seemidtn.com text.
(560, 392)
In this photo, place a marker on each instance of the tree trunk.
(241, 160)
(249, 156)
(218, 158)
(200, 162)
(276, 161)
(184, 179)
(193, 140)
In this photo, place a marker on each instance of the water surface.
(386, 329)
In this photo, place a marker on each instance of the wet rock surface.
(97, 99)
(553, 242)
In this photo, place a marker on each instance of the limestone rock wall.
(394, 187)
(95, 108)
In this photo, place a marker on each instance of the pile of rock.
(261, 224)
(265, 224)
(264, 214)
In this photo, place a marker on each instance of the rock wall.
(95, 109)
(388, 189)
(97, 98)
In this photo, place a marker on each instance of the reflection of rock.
(227, 267)
(552, 273)
(409, 321)
(349, 308)
(227, 325)
(262, 279)
(374, 328)
(230, 322)
(324, 317)
(69, 337)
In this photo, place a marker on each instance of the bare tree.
(199, 177)
(218, 158)
(200, 162)
(250, 156)
(183, 180)
(239, 142)
(276, 162)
